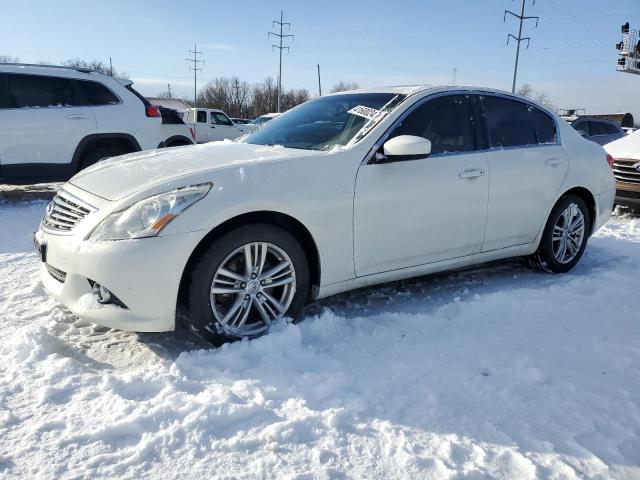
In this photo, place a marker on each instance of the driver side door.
(221, 127)
(414, 212)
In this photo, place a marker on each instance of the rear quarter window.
(97, 94)
(545, 126)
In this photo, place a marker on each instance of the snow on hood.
(121, 176)
(626, 147)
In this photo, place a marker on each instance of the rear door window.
(202, 116)
(545, 126)
(509, 122)
(39, 91)
(445, 121)
(582, 128)
(97, 94)
(611, 129)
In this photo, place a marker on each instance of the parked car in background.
(344, 191)
(626, 168)
(175, 132)
(598, 130)
(262, 119)
(211, 125)
(241, 121)
(55, 121)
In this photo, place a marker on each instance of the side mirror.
(406, 147)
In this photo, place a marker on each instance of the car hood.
(626, 147)
(122, 176)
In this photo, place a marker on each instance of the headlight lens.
(148, 217)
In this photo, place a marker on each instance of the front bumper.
(144, 274)
(628, 193)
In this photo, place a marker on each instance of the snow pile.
(492, 372)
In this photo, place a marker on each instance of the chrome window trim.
(376, 146)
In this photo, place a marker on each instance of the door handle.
(553, 162)
(77, 117)
(212, 126)
(471, 173)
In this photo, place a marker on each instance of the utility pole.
(193, 62)
(280, 36)
(455, 74)
(169, 90)
(110, 67)
(522, 17)
(319, 84)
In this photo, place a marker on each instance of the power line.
(280, 36)
(193, 62)
(519, 39)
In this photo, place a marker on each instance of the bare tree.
(543, 99)
(94, 64)
(239, 99)
(8, 59)
(343, 86)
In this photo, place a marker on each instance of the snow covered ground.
(491, 372)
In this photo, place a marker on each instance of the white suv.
(56, 121)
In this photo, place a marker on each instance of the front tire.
(245, 281)
(564, 237)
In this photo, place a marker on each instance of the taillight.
(610, 160)
(193, 134)
(153, 111)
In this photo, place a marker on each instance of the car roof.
(60, 71)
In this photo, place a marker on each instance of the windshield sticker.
(363, 111)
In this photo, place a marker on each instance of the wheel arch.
(588, 198)
(178, 140)
(98, 140)
(279, 219)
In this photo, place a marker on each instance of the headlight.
(149, 216)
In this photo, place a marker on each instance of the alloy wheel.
(568, 234)
(252, 287)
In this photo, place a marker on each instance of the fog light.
(102, 294)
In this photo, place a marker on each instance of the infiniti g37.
(346, 190)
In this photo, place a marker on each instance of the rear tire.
(564, 237)
(227, 301)
(98, 154)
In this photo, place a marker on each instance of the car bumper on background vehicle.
(142, 276)
(628, 194)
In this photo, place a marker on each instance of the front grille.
(626, 170)
(57, 274)
(65, 212)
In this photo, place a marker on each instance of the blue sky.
(571, 58)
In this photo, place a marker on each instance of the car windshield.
(326, 122)
(261, 120)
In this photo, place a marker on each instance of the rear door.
(44, 119)
(527, 166)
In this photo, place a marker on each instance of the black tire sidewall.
(545, 250)
(199, 314)
(94, 156)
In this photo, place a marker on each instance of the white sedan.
(346, 190)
